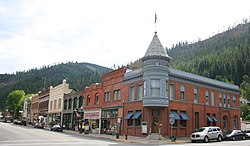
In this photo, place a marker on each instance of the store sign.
(94, 115)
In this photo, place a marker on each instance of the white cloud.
(42, 32)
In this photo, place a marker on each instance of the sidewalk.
(134, 139)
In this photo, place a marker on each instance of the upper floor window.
(207, 98)
(212, 98)
(80, 102)
(70, 103)
(172, 91)
(139, 92)
(59, 103)
(65, 104)
(225, 100)
(88, 100)
(220, 99)
(228, 101)
(155, 87)
(51, 105)
(117, 95)
(195, 95)
(234, 102)
(166, 94)
(107, 97)
(183, 92)
(131, 93)
(97, 99)
(55, 103)
(75, 103)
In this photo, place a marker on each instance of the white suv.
(206, 134)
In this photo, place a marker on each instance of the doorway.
(155, 121)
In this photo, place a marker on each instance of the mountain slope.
(78, 75)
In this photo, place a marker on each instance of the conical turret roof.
(155, 48)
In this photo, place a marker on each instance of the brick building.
(157, 92)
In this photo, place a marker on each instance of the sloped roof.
(155, 48)
(202, 79)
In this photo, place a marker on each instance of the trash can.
(126, 136)
(117, 135)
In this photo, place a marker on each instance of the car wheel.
(219, 139)
(244, 138)
(206, 139)
(233, 138)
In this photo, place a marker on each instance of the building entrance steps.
(155, 136)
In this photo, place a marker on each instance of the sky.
(37, 33)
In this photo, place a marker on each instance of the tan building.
(34, 109)
(56, 102)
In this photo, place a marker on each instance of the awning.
(215, 119)
(175, 115)
(137, 115)
(209, 119)
(129, 115)
(184, 116)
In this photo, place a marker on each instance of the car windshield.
(200, 130)
(228, 132)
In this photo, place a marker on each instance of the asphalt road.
(15, 135)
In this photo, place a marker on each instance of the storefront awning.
(209, 119)
(129, 115)
(184, 116)
(175, 115)
(215, 119)
(137, 115)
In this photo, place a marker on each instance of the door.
(155, 121)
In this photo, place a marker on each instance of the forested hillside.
(78, 75)
(225, 56)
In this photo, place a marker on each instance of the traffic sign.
(171, 120)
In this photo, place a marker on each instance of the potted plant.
(173, 138)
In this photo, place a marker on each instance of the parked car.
(206, 134)
(247, 134)
(39, 125)
(56, 128)
(235, 135)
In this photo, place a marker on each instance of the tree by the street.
(13, 100)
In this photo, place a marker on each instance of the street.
(15, 135)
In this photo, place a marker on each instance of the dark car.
(39, 125)
(247, 133)
(235, 135)
(56, 128)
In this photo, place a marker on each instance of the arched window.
(80, 102)
(59, 103)
(75, 103)
(70, 103)
(65, 104)
(55, 103)
(235, 122)
(225, 122)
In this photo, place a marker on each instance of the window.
(117, 95)
(225, 102)
(155, 88)
(55, 103)
(75, 103)
(131, 93)
(184, 118)
(107, 96)
(97, 99)
(209, 120)
(88, 100)
(214, 119)
(70, 103)
(51, 104)
(235, 122)
(139, 92)
(228, 101)
(172, 92)
(212, 98)
(220, 100)
(130, 120)
(197, 126)
(59, 103)
(183, 92)
(65, 104)
(195, 95)
(207, 98)
(80, 102)
(145, 87)
(166, 94)
(225, 122)
(137, 117)
(175, 116)
(234, 102)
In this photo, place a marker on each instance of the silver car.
(206, 134)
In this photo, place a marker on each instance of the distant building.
(244, 101)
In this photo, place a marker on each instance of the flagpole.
(155, 23)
